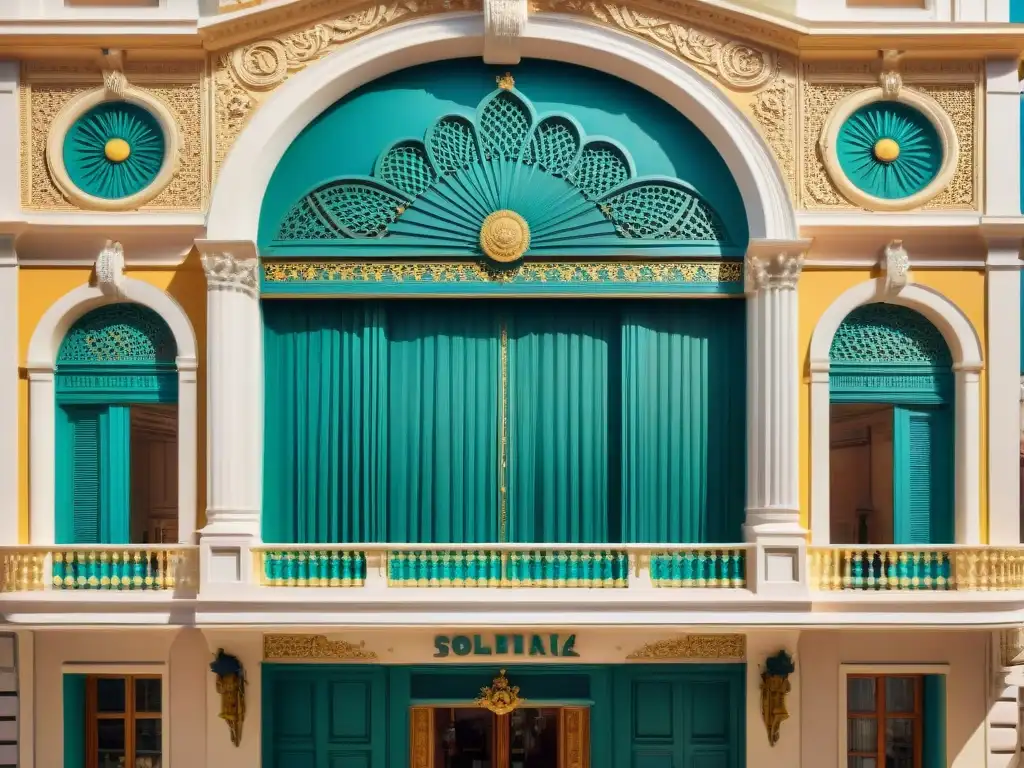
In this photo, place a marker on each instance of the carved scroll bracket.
(504, 24)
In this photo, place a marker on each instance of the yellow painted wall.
(818, 289)
(39, 288)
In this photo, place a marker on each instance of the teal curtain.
(93, 468)
(74, 721)
(559, 418)
(683, 421)
(325, 431)
(443, 383)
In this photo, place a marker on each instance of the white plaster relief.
(896, 265)
(110, 269)
(225, 270)
(504, 24)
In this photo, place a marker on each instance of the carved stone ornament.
(313, 647)
(721, 647)
(110, 268)
(779, 272)
(1011, 643)
(225, 270)
(896, 263)
(504, 24)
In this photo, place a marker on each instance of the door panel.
(324, 718)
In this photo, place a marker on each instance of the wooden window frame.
(129, 716)
(880, 715)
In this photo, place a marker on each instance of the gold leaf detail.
(293, 647)
(724, 647)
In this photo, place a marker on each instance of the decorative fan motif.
(889, 150)
(114, 150)
(888, 333)
(118, 333)
(552, 186)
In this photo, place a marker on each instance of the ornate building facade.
(511, 384)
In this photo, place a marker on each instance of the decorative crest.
(110, 268)
(506, 82)
(896, 264)
(500, 697)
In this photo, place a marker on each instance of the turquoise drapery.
(622, 421)
(326, 428)
(558, 424)
(683, 456)
(444, 380)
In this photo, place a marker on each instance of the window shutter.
(93, 470)
(934, 735)
(74, 710)
(923, 475)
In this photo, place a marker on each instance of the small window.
(125, 721)
(884, 724)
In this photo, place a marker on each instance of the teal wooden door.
(667, 717)
(316, 717)
(923, 475)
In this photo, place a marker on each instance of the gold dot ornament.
(117, 150)
(504, 236)
(886, 150)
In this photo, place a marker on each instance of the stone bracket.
(504, 23)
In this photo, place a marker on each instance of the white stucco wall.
(181, 655)
(822, 652)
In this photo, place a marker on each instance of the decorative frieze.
(313, 648)
(703, 647)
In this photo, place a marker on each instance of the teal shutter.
(923, 475)
(74, 721)
(934, 740)
(325, 718)
(93, 474)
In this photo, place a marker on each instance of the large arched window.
(891, 438)
(116, 429)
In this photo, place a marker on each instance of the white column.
(773, 420)
(967, 455)
(9, 362)
(1003, 720)
(41, 458)
(188, 453)
(1003, 363)
(234, 411)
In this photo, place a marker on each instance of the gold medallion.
(504, 236)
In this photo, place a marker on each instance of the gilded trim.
(718, 647)
(298, 647)
(421, 737)
(575, 737)
(672, 272)
(503, 440)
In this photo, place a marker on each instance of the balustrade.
(486, 565)
(120, 568)
(937, 569)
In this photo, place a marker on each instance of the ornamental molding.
(260, 51)
(718, 647)
(954, 86)
(772, 273)
(504, 23)
(313, 647)
(1011, 646)
(110, 269)
(177, 90)
(896, 265)
(228, 271)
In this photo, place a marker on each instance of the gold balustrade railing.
(935, 568)
(118, 568)
(501, 565)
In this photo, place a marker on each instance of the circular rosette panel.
(112, 154)
(889, 154)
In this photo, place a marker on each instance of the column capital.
(230, 265)
(774, 264)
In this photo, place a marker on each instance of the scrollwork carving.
(225, 270)
(317, 647)
(779, 272)
(725, 647)
(246, 74)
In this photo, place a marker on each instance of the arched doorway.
(891, 439)
(116, 429)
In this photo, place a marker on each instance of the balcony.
(99, 568)
(916, 569)
(626, 566)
